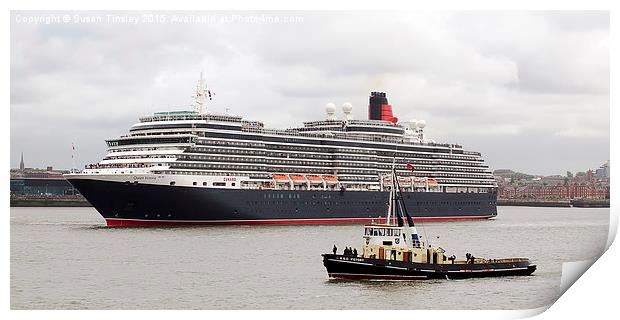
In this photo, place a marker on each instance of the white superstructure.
(199, 146)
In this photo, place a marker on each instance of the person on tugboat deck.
(452, 258)
(335, 249)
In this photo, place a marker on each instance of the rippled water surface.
(65, 258)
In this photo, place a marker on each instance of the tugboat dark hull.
(357, 268)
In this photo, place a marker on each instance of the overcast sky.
(530, 90)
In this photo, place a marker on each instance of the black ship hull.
(133, 204)
(357, 268)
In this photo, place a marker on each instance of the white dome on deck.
(347, 107)
(330, 108)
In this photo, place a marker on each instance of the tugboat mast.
(391, 207)
(399, 210)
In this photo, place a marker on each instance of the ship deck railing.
(156, 134)
(490, 261)
(190, 116)
(255, 126)
(472, 153)
(295, 132)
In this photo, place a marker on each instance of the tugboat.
(392, 251)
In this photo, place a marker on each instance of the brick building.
(573, 191)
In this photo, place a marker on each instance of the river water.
(65, 258)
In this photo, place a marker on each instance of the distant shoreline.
(76, 201)
(556, 203)
(79, 201)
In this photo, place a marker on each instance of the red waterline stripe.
(147, 223)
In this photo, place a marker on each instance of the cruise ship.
(200, 167)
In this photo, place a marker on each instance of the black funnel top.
(377, 99)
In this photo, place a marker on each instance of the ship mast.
(201, 96)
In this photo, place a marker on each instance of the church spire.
(21, 163)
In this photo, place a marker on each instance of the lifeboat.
(330, 179)
(404, 181)
(297, 178)
(314, 179)
(419, 182)
(281, 177)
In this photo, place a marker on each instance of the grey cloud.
(493, 81)
(554, 51)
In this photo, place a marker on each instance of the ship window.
(172, 183)
(194, 183)
(219, 184)
(204, 183)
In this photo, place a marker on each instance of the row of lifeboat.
(298, 178)
(316, 179)
(406, 181)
